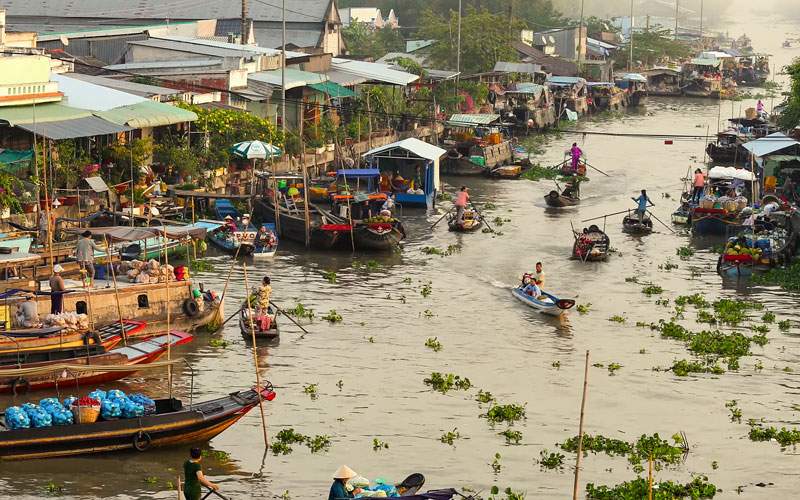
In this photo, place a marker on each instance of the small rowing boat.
(505, 172)
(471, 222)
(591, 245)
(632, 225)
(565, 199)
(546, 303)
(267, 329)
(266, 242)
(172, 424)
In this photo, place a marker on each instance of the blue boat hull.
(549, 306)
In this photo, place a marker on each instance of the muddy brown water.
(378, 351)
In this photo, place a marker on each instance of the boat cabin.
(479, 140)
(569, 92)
(530, 106)
(360, 192)
(605, 96)
(702, 77)
(634, 85)
(412, 166)
(664, 82)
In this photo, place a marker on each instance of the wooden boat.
(682, 215)
(82, 368)
(45, 339)
(505, 172)
(635, 86)
(456, 164)
(273, 332)
(239, 242)
(151, 248)
(172, 424)
(714, 222)
(547, 303)
(735, 266)
(263, 250)
(632, 225)
(570, 196)
(472, 222)
(324, 234)
(605, 96)
(591, 245)
(664, 82)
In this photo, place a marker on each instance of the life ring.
(142, 441)
(92, 335)
(191, 308)
(19, 380)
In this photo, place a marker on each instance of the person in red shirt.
(462, 198)
(699, 186)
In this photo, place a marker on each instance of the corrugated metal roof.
(294, 78)
(527, 88)
(88, 126)
(515, 67)
(85, 95)
(41, 113)
(770, 144)
(697, 61)
(412, 145)
(190, 63)
(205, 43)
(373, 71)
(566, 80)
(476, 119)
(302, 11)
(346, 79)
(195, 48)
(634, 77)
(271, 36)
(139, 89)
(147, 114)
(103, 31)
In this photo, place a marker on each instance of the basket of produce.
(86, 410)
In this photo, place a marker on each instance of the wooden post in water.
(255, 352)
(116, 291)
(306, 214)
(169, 335)
(580, 429)
(275, 198)
(650, 476)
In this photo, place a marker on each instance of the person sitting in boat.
(533, 290)
(398, 182)
(194, 477)
(27, 314)
(538, 276)
(265, 238)
(569, 190)
(642, 202)
(576, 154)
(339, 486)
(388, 205)
(462, 198)
(230, 224)
(386, 183)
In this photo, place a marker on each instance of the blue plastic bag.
(98, 394)
(148, 404)
(17, 418)
(110, 410)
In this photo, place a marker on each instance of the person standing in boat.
(44, 227)
(57, 289)
(264, 294)
(462, 198)
(194, 477)
(642, 202)
(576, 153)
(699, 186)
(84, 253)
(339, 486)
(760, 110)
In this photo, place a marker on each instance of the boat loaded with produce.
(770, 241)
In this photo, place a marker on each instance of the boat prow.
(546, 303)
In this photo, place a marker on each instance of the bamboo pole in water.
(116, 292)
(580, 429)
(169, 304)
(650, 477)
(255, 355)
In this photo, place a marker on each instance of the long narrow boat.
(83, 369)
(471, 222)
(172, 424)
(272, 332)
(239, 241)
(547, 303)
(591, 245)
(292, 225)
(632, 225)
(44, 339)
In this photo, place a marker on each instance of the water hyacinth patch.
(698, 488)
(509, 413)
(512, 436)
(550, 460)
(449, 437)
(445, 382)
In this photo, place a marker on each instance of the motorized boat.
(546, 303)
(266, 242)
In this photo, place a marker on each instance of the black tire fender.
(141, 441)
(191, 308)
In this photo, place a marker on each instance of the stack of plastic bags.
(60, 414)
(361, 488)
(16, 418)
(115, 404)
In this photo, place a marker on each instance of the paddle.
(606, 215)
(210, 491)
(659, 220)
(230, 318)
(595, 168)
(287, 315)
(442, 217)
(482, 217)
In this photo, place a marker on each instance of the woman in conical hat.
(340, 478)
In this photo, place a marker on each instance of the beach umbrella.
(255, 150)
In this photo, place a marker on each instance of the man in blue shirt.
(642, 202)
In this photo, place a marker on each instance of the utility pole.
(676, 18)
(581, 41)
(630, 63)
(702, 42)
(243, 41)
(458, 50)
(283, 73)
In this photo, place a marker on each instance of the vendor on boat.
(462, 198)
(230, 224)
(538, 276)
(699, 186)
(642, 202)
(264, 294)
(265, 238)
(339, 486)
(57, 289)
(193, 472)
(27, 314)
(84, 253)
(576, 154)
(398, 182)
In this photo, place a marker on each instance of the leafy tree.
(173, 154)
(363, 41)
(790, 117)
(8, 183)
(652, 46)
(71, 161)
(485, 39)
(126, 157)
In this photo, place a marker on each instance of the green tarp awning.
(333, 89)
(147, 114)
(13, 161)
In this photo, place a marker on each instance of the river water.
(378, 351)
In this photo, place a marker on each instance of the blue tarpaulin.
(359, 172)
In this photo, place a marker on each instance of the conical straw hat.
(344, 472)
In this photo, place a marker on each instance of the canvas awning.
(88, 126)
(470, 120)
(527, 88)
(770, 144)
(147, 114)
(634, 77)
(706, 62)
(730, 173)
(126, 233)
(412, 145)
(332, 89)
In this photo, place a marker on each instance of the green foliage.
(685, 252)
(652, 289)
(788, 277)
(484, 397)
(637, 452)
(333, 317)
(790, 118)
(613, 367)
(509, 413)
(282, 445)
(218, 343)
(652, 46)
(784, 325)
(785, 437)
(768, 317)
(449, 437)
(617, 319)
(446, 382)
(300, 311)
(363, 41)
(584, 308)
(218, 455)
(551, 460)
(174, 154)
(123, 156)
(512, 436)
(637, 489)
(8, 199)
(311, 390)
(684, 367)
(377, 445)
(433, 343)
(72, 159)
(330, 276)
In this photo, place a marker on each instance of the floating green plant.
(433, 343)
(617, 318)
(768, 317)
(613, 367)
(698, 488)
(330, 276)
(784, 325)
(215, 342)
(300, 311)
(508, 413)
(377, 445)
(685, 253)
(446, 382)
(484, 397)
(319, 443)
(218, 455)
(584, 308)
(333, 316)
(449, 437)
(551, 460)
(311, 390)
(652, 289)
(426, 290)
(736, 412)
(512, 436)
(497, 466)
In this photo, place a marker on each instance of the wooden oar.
(210, 491)
(230, 317)
(442, 217)
(595, 168)
(606, 215)
(659, 220)
(482, 217)
(287, 315)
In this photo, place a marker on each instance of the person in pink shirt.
(576, 153)
(462, 198)
(699, 186)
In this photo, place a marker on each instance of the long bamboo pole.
(116, 292)
(650, 476)
(580, 429)
(169, 304)
(255, 355)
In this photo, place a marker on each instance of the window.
(143, 301)
(80, 307)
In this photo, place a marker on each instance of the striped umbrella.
(255, 150)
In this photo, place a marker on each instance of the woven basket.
(85, 414)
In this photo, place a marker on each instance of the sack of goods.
(70, 321)
(149, 272)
